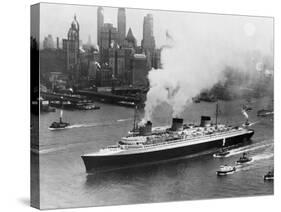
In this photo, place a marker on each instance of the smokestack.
(205, 121)
(177, 124)
(146, 129)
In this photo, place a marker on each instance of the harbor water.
(64, 182)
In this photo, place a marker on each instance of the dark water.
(64, 182)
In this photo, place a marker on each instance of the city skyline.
(89, 22)
(252, 29)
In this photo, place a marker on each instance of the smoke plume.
(196, 52)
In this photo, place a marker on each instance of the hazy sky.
(55, 19)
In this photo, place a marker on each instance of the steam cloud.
(198, 51)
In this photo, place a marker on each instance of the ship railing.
(131, 146)
(188, 138)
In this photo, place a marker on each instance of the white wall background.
(14, 106)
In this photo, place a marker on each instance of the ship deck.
(184, 141)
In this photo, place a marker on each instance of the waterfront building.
(139, 70)
(117, 62)
(129, 53)
(104, 77)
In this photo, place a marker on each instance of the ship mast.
(217, 112)
(135, 117)
(61, 111)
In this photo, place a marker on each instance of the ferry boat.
(148, 145)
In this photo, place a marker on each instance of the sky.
(55, 19)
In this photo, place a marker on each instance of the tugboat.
(247, 124)
(244, 159)
(59, 125)
(224, 170)
(221, 153)
(269, 175)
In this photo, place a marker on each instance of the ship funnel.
(146, 128)
(205, 121)
(177, 124)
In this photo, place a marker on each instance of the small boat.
(246, 124)
(221, 153)
(269, 175)
(225, 170)
(244, 159)
(265, 113)
(59, 125)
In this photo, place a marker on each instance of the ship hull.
(94, 163)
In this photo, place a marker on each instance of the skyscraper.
(71, 47)
(108, 35)
(121, 25)
(131, 41)
(48, 42)
(148, 41)
(100, 21)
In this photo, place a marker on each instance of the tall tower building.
(100, 22)
(121, 22)
(71, 48)
(131, 41)
(148, 41)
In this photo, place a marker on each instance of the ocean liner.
(146, 144)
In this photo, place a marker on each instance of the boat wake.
(250, 124)
(252, 164)
(55, 148)
(254, 123)
(97, 124)
(262, 157)
(84, 125)
(247, 149)
(122, 120)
